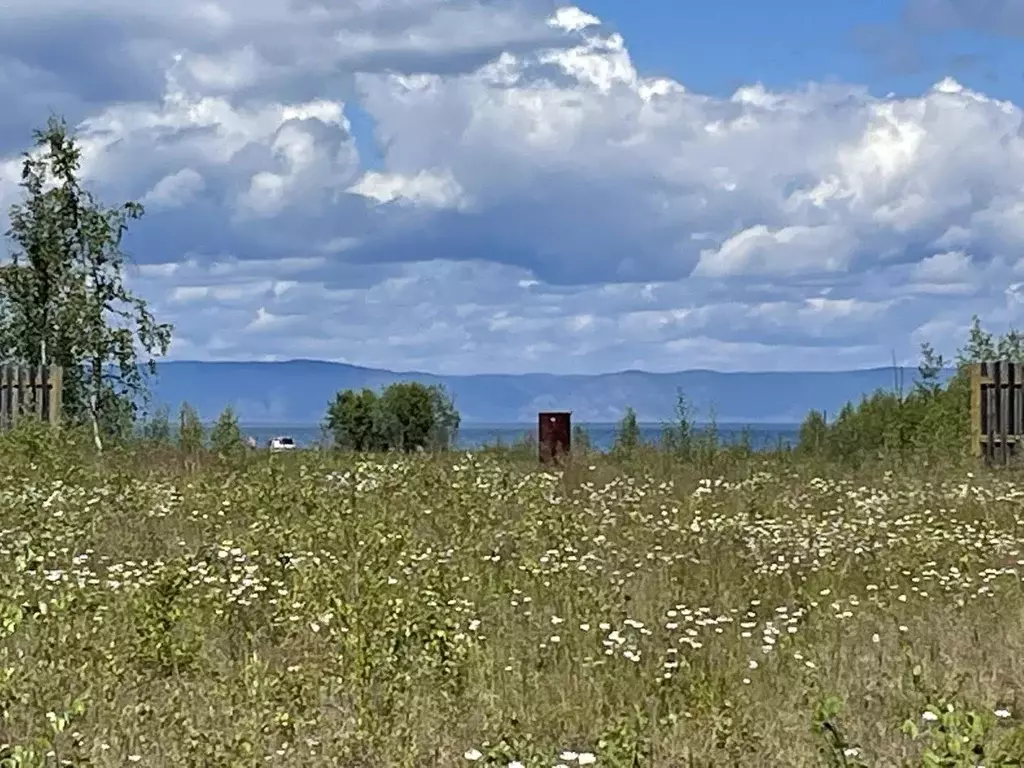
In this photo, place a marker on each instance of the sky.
(469, 186)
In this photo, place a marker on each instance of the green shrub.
(226, 437)
(405, 416)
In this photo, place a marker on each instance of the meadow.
(474, 609)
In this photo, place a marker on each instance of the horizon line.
(292, 361)
(533, 423)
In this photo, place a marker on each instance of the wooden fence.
(30, 391)
(997, 410)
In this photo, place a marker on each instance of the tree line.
(927, 419)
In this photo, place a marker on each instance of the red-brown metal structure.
(554, 430)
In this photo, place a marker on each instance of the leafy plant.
(627, 435)
(405, 416)
(63, 296)
(226, 437)
(191, 433)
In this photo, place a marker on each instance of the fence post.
(5, 397)
(976, 425)
(24, 392)
(56, 392)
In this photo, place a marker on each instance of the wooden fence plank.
(22, 393)
(976, 420)
(56, 391)
(30, 391)
(997, 410)
(5, 397)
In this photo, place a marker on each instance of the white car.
(281, 443)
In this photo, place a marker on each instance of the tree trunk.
(94, 417)
(94, 413)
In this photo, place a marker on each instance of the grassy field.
(465, 610)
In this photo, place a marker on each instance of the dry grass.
(309, 611)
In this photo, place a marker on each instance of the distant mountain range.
(297, 392)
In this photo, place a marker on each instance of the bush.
(226, 436)
(627, 434)
(580, 442)
(157, 428)
(406, 416)
(191, 435)
(930, 423)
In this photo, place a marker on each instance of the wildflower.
(473, 755)
(929, 716)
(1002, 713)
(586, 758)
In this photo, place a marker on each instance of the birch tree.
(63, 296)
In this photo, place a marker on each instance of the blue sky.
(481, 186)
(717, 47)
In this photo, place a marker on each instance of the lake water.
(602, 436)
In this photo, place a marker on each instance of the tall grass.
(649, 608)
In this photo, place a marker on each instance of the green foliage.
(34, 446)
(444, 431)
(156, 429)
(1011, 346)
(406, 416)
(522, 448)
(835, 748)
(814, 433)
(580, 441)
(191, 433)
(930, 423)
(929, 369)
(679, 438)
(226, 437)
(116, 415)
(981, 345)
(62, 297)
(955, 735)
(683, 440)
(350, 420)
(627, 434)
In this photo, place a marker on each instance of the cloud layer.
(533, 202)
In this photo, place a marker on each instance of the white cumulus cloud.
(468, 186)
